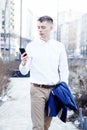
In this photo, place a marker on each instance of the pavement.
(15, 111)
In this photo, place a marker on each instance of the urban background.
(16, 30)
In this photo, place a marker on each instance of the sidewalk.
(15, 112)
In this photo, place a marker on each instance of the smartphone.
(22, 50)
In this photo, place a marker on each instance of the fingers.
(24, 54)
(24, 58)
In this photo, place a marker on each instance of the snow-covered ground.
(15, 112)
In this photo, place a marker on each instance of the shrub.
(5, 73)
(4, 76)
(82, 102)
(78, 84)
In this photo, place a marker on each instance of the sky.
(50, 7)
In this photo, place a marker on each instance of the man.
(47, 61)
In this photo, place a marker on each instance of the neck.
(45, 38)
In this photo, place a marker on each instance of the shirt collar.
(42, 41)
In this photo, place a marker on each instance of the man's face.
(44, 29)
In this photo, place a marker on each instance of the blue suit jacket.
(60, 98)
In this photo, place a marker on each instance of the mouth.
(41, 34)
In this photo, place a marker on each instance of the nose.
(40, 30)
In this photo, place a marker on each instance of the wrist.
(23, 64)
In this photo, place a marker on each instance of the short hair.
(45, 18)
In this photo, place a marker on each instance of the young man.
(47, 61)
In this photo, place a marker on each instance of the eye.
(43, 27)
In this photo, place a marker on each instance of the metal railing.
(83, 120)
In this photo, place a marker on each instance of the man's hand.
(24, 58)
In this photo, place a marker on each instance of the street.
(15, 112)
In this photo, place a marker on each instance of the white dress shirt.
(47, 62)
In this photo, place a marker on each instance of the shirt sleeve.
(26, 68)
(63, 66)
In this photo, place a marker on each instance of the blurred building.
(83, 36)
(10, 29)
(68, 32)
(7, 27)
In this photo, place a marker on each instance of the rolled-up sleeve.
(24, 69)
